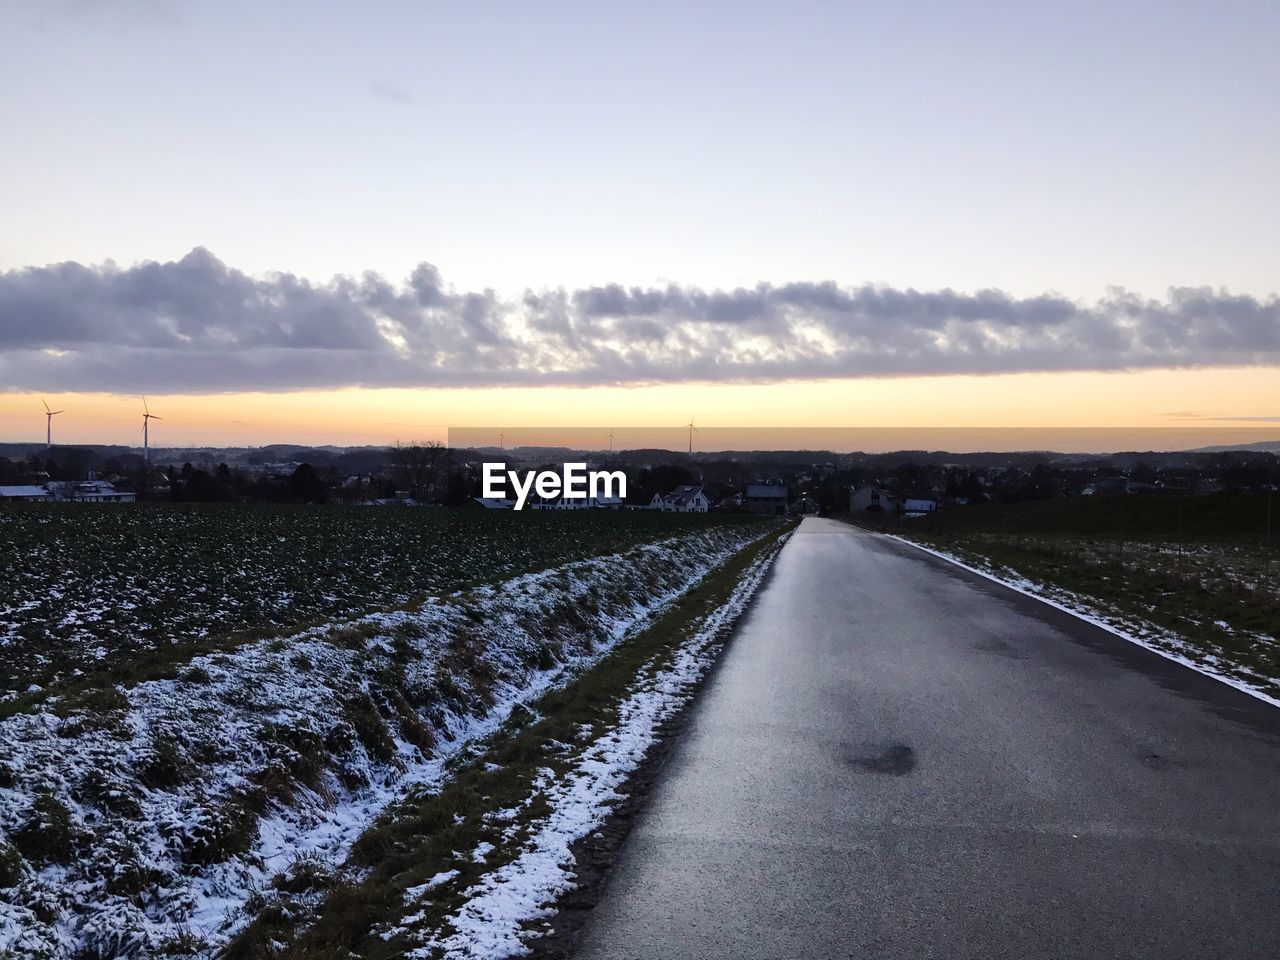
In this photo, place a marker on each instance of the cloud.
(197, 325)
(389, 92)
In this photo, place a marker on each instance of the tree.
(460, 486)
(416, 465)
(661, 479)
(200, 487)
(306, 485)
(224, 482)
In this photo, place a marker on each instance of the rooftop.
(23, 490)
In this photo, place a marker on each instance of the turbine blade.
(46, 406)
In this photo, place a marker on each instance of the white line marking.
(1097, 621)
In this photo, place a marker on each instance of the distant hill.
(20, 451)
(1266, 446)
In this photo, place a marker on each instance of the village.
(906, 485)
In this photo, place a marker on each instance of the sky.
(346, 223)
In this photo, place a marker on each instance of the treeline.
(1231, 472)
(421, 473)
(418, 473)
(67, 463)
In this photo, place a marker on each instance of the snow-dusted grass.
(1127, 600)
(88, 586)
(147, 819)
(473, 869)
(493, 920)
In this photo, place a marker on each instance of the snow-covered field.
(142, 820)
(1123, 624)
(95, 584)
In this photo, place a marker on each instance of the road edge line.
(1095, 621)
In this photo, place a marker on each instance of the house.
(765, 498)
(575, 503)
(25, 492)
(686, 499)
(89, 491)
(101, 491)
(494, 503)
(872, 499)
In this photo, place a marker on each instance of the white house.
(575, 503)
(553, 503)
(90, 491)
(101, 491)
(686, 499)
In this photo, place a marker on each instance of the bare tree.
(416, 466)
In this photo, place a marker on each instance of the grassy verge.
(1221, 597)
(482, 816)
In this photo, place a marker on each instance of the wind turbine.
(48, 424)
(147, 417)
(502, 439)
(611, 439)
(692, 431)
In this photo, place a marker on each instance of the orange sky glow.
(1156, 409)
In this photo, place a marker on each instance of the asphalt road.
(897, 758)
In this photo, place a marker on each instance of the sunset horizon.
(1096, 410)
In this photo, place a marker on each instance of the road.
(897, 758)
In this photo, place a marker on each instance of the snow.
(491, 924)
(416, 893)
(242, 720)
(1169, 645)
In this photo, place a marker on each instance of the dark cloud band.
(196, 325)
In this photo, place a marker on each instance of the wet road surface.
(897, 758)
